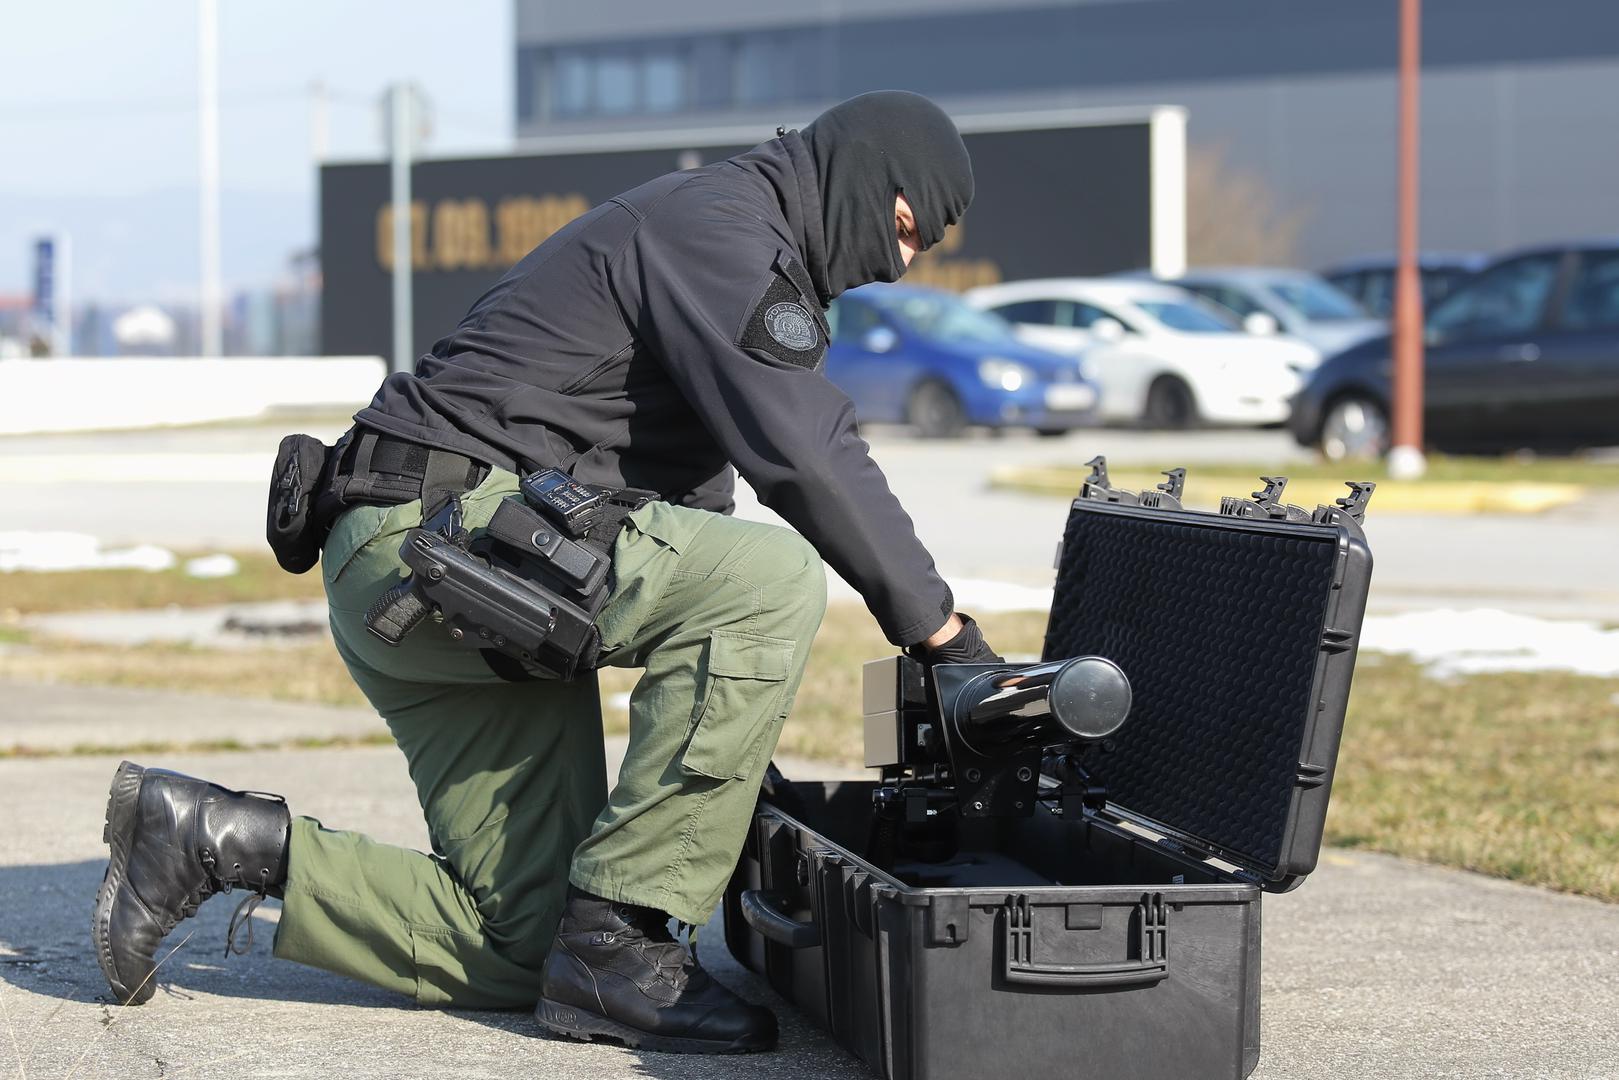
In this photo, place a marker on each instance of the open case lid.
(1238, 631)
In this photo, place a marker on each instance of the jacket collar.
(786, 165)
(810, 228)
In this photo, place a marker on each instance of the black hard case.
(1123, 943)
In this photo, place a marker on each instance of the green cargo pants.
(719, 612)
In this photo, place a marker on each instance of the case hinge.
(1335, 640)
(1310, 776)
(1181, 849)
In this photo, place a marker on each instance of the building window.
(664, 82)
(764, 70)
(570, 93)
(618, 82)
(617, 89)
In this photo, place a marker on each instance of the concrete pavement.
(1374, 968)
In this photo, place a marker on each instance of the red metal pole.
(1407, 454)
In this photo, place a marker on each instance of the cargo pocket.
(441, 972)
(741, 688)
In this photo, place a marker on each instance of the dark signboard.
(1050, 201)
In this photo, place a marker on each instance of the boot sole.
(119, 835)
(576, 1023)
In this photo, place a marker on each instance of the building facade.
(1296, 96)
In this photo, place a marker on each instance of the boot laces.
(217, 882)
(648, 933)
(243, 915)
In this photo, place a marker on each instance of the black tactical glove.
(967, 647)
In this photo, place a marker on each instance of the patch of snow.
(212, 566)
(1469, 642)
(1447, 641)
(54, 551)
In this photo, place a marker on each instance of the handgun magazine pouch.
(569, 576)
(293, 526)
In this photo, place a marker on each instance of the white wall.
(95, 394)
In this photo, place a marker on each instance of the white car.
(1158, 354)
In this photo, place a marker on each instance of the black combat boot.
(175, 842)
(616, 971)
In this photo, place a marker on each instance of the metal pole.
(208, 209)
(319, 122)
(1405, 456)
(401, 125)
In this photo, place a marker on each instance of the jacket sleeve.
(694, 290)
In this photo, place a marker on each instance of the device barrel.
(1083, 699)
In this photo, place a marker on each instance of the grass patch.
(259, 578)
(204, 746)
(1442, 469)
(308, 673)
(1513, 775)
(1454, 486)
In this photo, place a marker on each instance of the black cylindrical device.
(1083, 699)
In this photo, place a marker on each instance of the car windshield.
(1187, 317)
(1316, 300)
(946, 318)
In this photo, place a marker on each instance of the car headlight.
(1004, 374)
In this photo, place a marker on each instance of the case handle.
(1019, 968)
(760, 911)
(1129, 973)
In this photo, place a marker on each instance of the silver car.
(1280, 300)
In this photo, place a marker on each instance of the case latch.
(1099, 488)
(1167, 495)
(1265, 503)
(1351, 506)
(1149, 921)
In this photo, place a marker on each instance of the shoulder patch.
(783, 323)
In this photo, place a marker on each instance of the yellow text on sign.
(467, 234)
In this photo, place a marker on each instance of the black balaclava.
(867, 150)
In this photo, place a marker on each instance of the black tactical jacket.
(664, 336)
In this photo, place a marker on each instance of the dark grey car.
(1525, 354)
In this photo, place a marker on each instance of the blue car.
(925, 358)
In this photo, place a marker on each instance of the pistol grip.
(397, 612)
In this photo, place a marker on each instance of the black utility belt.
(528, 588)
(526, 591)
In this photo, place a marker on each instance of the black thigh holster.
(524, 592)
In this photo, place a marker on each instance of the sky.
(98, 124)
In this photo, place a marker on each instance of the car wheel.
(935, 411)
(1170, 405)
(1353, 426)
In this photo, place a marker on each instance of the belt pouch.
(292, 526)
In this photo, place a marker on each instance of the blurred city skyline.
(98, 120)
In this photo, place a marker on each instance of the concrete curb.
(1392, 497)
